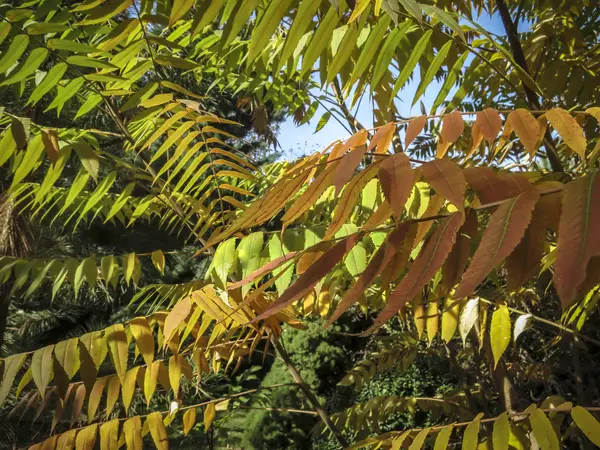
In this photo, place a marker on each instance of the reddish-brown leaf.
(489, 123)
(400, 259)
(455, 264)
(526, 127)
(397, 179)
(524, 262)
(379, 261)
(447, 179)
(262, 271)
(307, 281)
(177, 315)
(452, 127)
(77, 403)
(504, 231)
(348, 164)
(430, 259)
(491, 186)
(414, 128)
(578, 235)
(50, 141)
(383, 138)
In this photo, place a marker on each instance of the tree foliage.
(475, 222)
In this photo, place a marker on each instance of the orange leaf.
(397, 180)
(433, 208)
(177, 315)
(568, 129)
(347, 166)
(383, 138)
(455, 264)
(379, 261)
(400, 258)
(489, 123)
(447, 179)
(307, 281)
(504, 231)
(349, 199)
(526, 127)
(452, 127)
(414, 128)
(381, 214)
(431, 257)
(578, 236)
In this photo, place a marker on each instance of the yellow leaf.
(189, 420)
(419, 439)
(41, 367)
(175, 373)
(65, 353)
(144, 339)
(450, 318)
(150, 380)
(568, 129)
(361, 5)
(209, 415)
(128, 266)
(66, 440)
(543, 431)
(86, 438)
(112, 393)
(587, 423)
(441, 441)
(12, 364)
(501, 434)
(419, 315)
(158, 259)
(500, 332)
(177, 315)
(128, 387)
(132, 429)
(471, 434)
(526, 127)
(95, 397)
(432, 320)
(109, 435)
(118, 346)
(158, 431)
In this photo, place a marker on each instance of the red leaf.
(379, 261)
(307, 281)
(578, 235)
(452, 127)
(524, 262)
(504, 231)
(455, 264)
(414, 128)
(447, 179)
(491, 186)
(431, 257)
(397, 180)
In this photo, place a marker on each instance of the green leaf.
(444, 17)
(432, 70)
(267, 24)
(323, 121)
(388, 50)
(304, 16)
(224, 260)
(356, 260)
(4, 30)
(65, 93)
(369, 50)
(30, 160)
(50, 80)
(173, 61)
(14, 52)
(413, 9)
(500, 331)
(450, 80)
(239, 18)
(108, 266)
(128, 266)
(8, 146)
(276, 250)
(71, 46)
(410, 65)
(320, 40)
(180, 9)
(586, 422)
(34, 60)
(85, 61)
(209, 9)
(91, 102)
(45, 27)
(249, 252)
(88, 157)
(501, 434)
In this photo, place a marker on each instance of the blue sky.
(298, 140)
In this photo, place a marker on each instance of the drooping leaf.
(158, 431)
(189, 420)
(504, 231)
(209, 415)
(468, 317)
(415, 126)
(568, 128)
(177, 315)
(397, 179)
(132, 429)
(543, 431)
(501, 433)
(86, 438)
(453, 126)
(116, 339)
(410, 65)
(500, 332)
(443, 437)
(432, 70)
(422, 270)
(471, 434)
(41, 367)
(578, 241)
(12, 364)
(526, 128)
(447, 179)
(109, 435)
